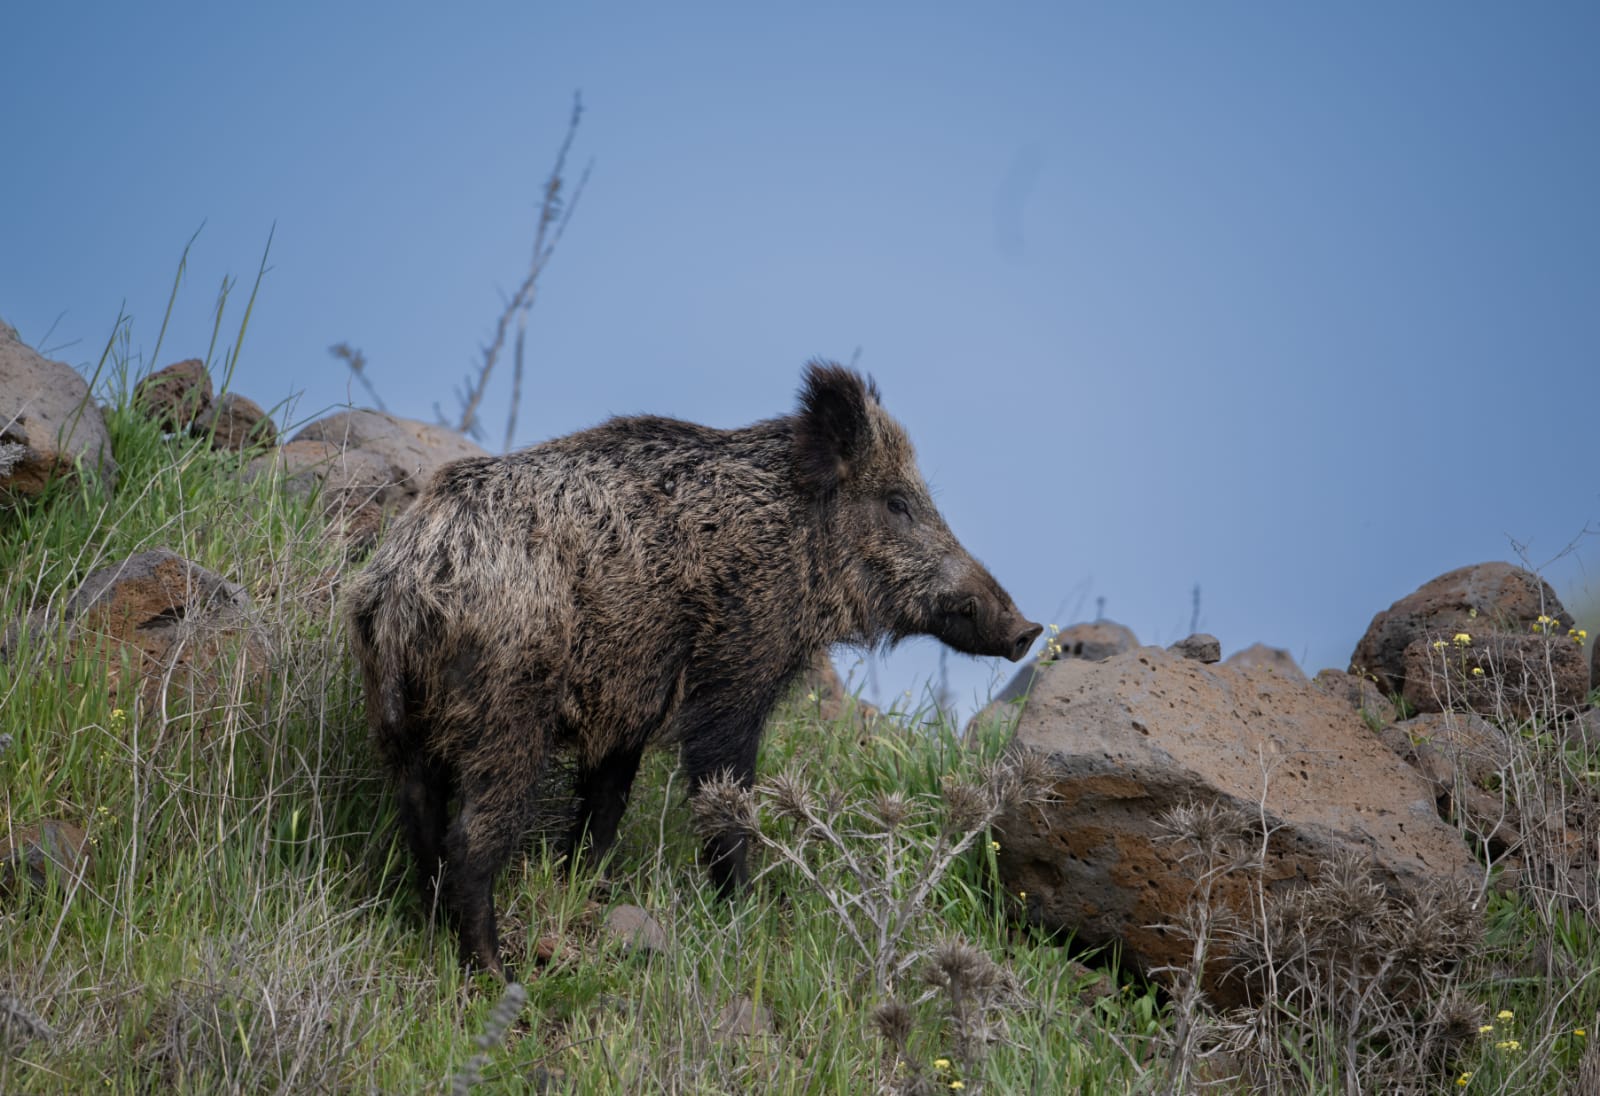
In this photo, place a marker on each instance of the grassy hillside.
(247, 922)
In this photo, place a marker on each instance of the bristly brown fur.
(644, 580)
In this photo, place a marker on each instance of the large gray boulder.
(1145, 732)
(48, 422)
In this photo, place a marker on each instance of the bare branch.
(554, 216)
(357, 361)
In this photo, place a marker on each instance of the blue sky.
(1301, 305)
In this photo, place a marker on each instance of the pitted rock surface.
(1149, 730)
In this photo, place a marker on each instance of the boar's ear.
(833, 431)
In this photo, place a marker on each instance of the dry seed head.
(967, 807)
(959, 965)
(893, 1021)
(892, 809)
(722, 807)
(1349, 891)
(791, 794)
(1022, 778)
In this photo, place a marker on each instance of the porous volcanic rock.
(235, 423)
(1504, 675)
(1476, 600)
(48, 423)
(175, 397)
(174, 622)
(1148, 731)
(414, 450)
(1202, 647)
(1465, 758)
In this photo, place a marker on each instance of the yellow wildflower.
(1462, 639)
(941, 1063)
(1438, 645)
(1485, 1029)
(995, 845)
(1461, 1081)
(1509, 1044)
(1579, 1032)
(957, 1084)
(1505, 1014)
(1477, 671)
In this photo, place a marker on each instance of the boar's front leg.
(723, 741)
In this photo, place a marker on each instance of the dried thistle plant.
(877, 860)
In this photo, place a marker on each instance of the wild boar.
(647, 580)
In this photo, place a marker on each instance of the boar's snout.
(979, 618)
(1024, 640)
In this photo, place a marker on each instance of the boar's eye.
(899, 506)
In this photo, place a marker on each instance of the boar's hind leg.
(724, 746)
(602, 792)
(425, 787)
(495, 811)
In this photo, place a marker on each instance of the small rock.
(177, 620)
(236, 423)
(547, 949)
(1465, 758)
(27, 852)
(175, 396)
(1275, 659)
(636, 929)
(740, 1019)
(1202, 647)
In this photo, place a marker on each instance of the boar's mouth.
(968, 625)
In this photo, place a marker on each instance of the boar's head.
(904, 572)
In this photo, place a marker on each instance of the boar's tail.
(382, 671)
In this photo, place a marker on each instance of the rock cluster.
(1313, 772)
